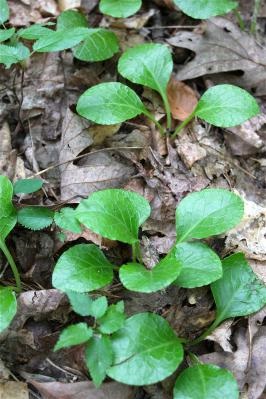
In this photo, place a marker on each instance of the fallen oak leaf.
(182, 99)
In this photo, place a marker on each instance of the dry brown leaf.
(135, 22)
(182, 99)
(222, 335)
(14, 390)
(223, 47)
(83, 390)
(68, 4)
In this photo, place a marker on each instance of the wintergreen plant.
(204, 9)
(120, 8)
(151, 65)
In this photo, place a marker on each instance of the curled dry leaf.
(182, 99)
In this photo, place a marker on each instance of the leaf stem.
(255, 16)
(136, 253)
(240, 21)
(151, 117)
(12, 264)
(168, 110)
(183, 124)
(206, 333)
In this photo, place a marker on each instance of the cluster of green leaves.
(72, 32)
(151, 65)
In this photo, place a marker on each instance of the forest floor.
(41, 135)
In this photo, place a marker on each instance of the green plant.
(145, 350)
(120, 8)
(204, 9)
(151, 65)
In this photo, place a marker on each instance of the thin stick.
(253, 26)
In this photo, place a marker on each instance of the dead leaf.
(14, 390)
(222, 335)
(68, 4)
(83, 390)
(135, 22)
(223, 47)
(182, 99)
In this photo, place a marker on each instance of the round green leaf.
(35, 217)
(8, 307)
(146, 350)
(204, 9)
(70, 19)
(66, 219)
(115, 214)
(136, 277)
(226, 105)
(239, 292)
(27, 186)
(8, 216)
(100, 45)
(199, 265)
(120, 8)
(208, 212)
(110, 103)
(82, 268)
(206, 381)
(76, 334)
(150, 65)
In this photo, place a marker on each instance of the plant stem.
(168, 110)
(151, 117)
(253, 26)
(239, 19)
(12, 264)
(206, 333)
(134, 252)
(183, 124)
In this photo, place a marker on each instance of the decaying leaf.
(14, 389)
(182, 99)
(223, 47)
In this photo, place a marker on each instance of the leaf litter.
(133, 156)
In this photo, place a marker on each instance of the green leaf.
(13, 54)
(22, 52)
(136, 277)
(206, 381)
(35, 217)
(110, 103)
(82, 268)
(6, 34)
(146, 350)
(208, 212)
(66, 219)
(34, 32)
(99, 307)
(100, 45)
(226, 105)
(81, 303)
(113, 319)
(120, 8)
(99, 357)
(60, 40)
(204, 9)
(70, 19)
(8, 216)
(199, 265)
(8, 307)
(4, 11)
(150, 65)
(239, 292)
(75, 334)
(27, 186)
(115, 214)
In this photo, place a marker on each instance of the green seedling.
(120, 8)
(204, 9)
(151, 65)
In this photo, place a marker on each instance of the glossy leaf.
(206, 381)
(8, 216)
(80, 302)
(70, 19)
(82, 268)
(136, 277)
(208, 212)
(6, 34)
(146, 350)
(203, 9)
(150, 65)
(98, 357)
(8, 307)
(60, 40)
(66, 219)
(75, 334)
(35, 217)
(110, 103)
(27, 186)
(4, 11)
(120, 8)
(113, 319)
(115, 214)
(99, 45)
(199, 265)
(239, 292)
(226, 105)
